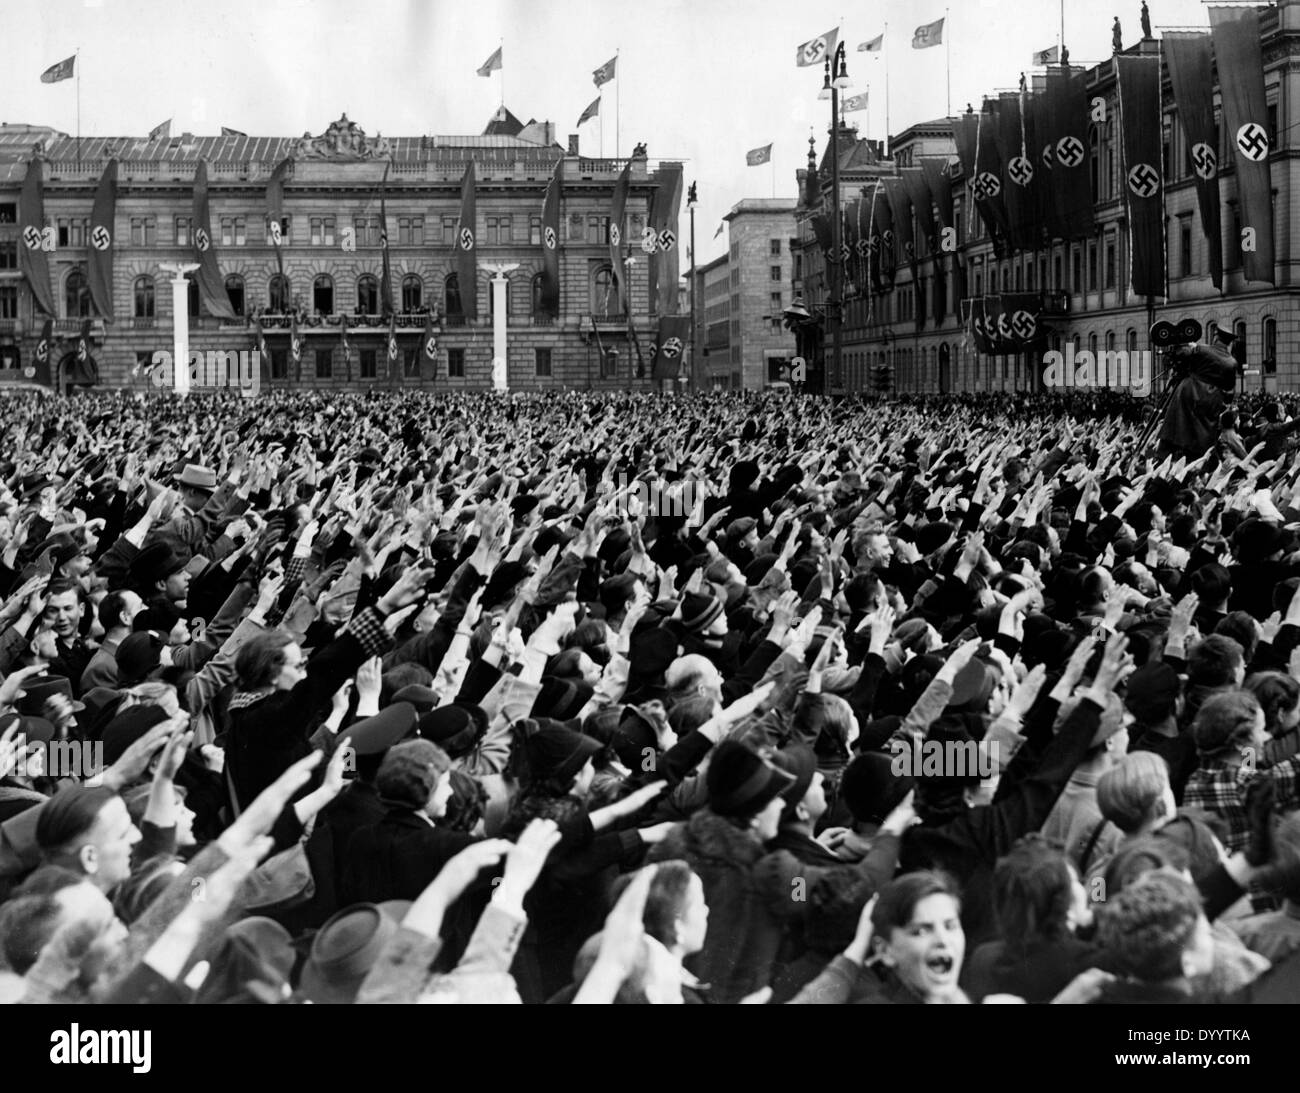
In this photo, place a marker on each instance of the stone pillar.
(180, 324)
(500, 368)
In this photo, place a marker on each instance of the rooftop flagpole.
(77, 66)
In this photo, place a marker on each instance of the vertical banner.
(550, 295)
(467, 246)
(85, 369)
(617, 209)
(1191, 76)
(102, 241)
(900, 215)
(665, 257)
(260, 347)
(674, 330)
(275, 210)
(1068, 99)
(345, 347)
(212, 289)
(1240, 64)
(37, 240)
(1038, 150)
(39, 370)
(295, 346)
(429, 347)
(390, 350)
(987, 183)
(1017, 172)
(918, 192)
(386, 281)
(1140, 120)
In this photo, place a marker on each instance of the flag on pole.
(1047, 56)
(605, 72)
(392, 346)
(345, 346)
(161, 132)
(927, 35)
(758, 156)
(60, 71)
(386, 284)
(226, 131)
(466, 246)
(491, 64)
(549, 301)
(591, 111)
(38, 240)
(719, 231)
(854, 102)
(816, 50)
(874, 46)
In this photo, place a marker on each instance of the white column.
(500, 370)
(180, 324)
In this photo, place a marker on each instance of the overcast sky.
(699, 80)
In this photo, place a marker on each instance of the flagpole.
(884, 48)
(502, 46)
(947, 48)
(77, 55)
(618, 105)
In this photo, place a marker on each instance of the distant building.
(332, 257)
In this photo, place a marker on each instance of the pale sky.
(698, 80)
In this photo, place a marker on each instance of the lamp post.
(691, 199)
(834, 80)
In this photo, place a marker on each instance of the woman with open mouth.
(913, 934)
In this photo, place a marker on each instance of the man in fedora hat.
(199, 521)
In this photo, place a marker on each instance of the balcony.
(10, 328)
(1056, 303)
(143, 322)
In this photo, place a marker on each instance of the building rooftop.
(762, 205)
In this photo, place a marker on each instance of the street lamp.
(835, 78)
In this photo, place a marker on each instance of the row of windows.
(323, 363)
(605, 299)
(367, 231)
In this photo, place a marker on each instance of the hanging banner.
(617, 211)
(660, 238)
(212, 288)
(549, 303)
(466, 247)
(1240, 65)
(1191, 74)
(1139, 112)
(1068, 104)
(102, 243)
(275, 210)
(36, 239)
(918, 193)
(987, 183)
(1017, 172)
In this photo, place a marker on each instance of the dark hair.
(1032, 892)
(1212, 583)
(110, 611)
(146, 883)
(898, 899)
(1092, 586)
(1182, 533)
(1214, 661)
(1277, 693)
(60, 585)
(1240, 627)
(260, 659)
(1138, 858)
(410, 772)
(1147, 927)
(68, 816)
(402, 675)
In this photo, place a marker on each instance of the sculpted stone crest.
(343, 140)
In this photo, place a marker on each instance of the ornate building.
(328, 268)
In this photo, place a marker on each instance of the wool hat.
(699, 610)
(158, 616)
(738, 529)
(973, 685)
(443, 723)
(635, 734)
(346, 948)
(930, 537)
(652, 652)
(870, 789)
(743, 475)
(128, 727)
(137, 655)
(375, 735)
(741, 783)
(1151, 692)
(555, 751)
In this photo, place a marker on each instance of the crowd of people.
(616, 698)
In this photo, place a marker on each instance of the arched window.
(412, 293)
(193, 307)
(1268, 361)
(322, 295)
(144, 297)
(604, 297)
(1131, 340)
(76, 295)
(235, 292)
(452, 304)
(278, 296)
(1092, 346)
(1110, 341)
(1239, 346)
(367, 295)
(538, 281)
